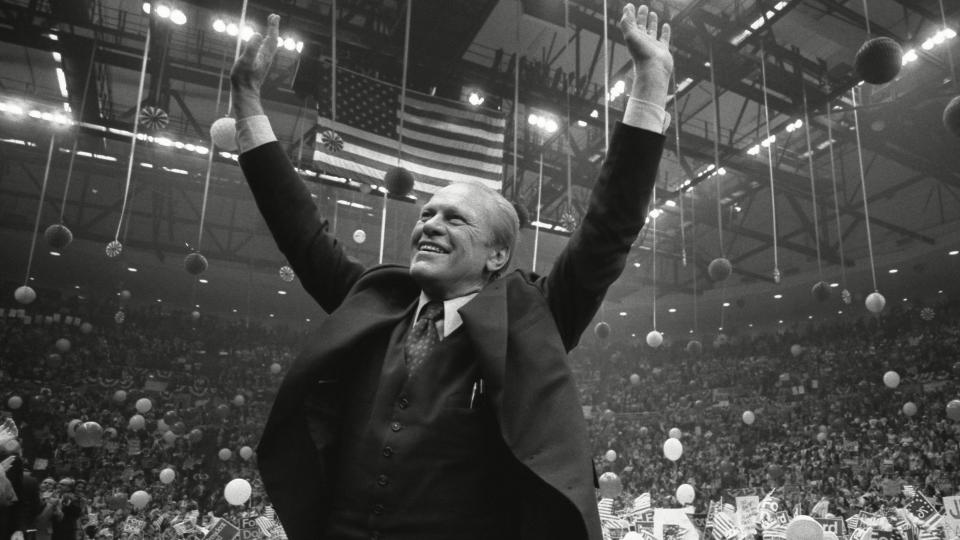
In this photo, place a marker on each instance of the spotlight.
(163, 11)
(220, 26)
(232, 29)
(300, 50)
(246, 33)
(146, 7)
(289, 44)
(178, 17)
(475, 99)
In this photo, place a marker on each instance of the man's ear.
(497, 260)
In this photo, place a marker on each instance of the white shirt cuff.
(254, 131)
(646, 115)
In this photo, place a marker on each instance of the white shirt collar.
(451, 317)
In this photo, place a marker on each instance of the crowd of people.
(822, 421)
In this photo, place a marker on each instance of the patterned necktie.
(423, 336)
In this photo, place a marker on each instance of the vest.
(421, 456)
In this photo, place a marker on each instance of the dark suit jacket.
(522, 326)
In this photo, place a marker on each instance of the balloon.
(694, 347)
(875, 302)
(224, 454)
(820, 291)
(610, 456)
(879, 60)
(608, 415)
(239, 400)
(72, 427)
(796, 350)
(822, 436)
(178, 427)
(399, 181)
(224, 133)
(891, 379)
(137, 422)
(909, 408)
(15, 402)
(89, 434)
(634, 379)
(140, 499)
(951, 116)
(246, 453)
(275, 368)
(654, 339)
(195, 263)
(86, 328)
(195, 435)
(120, 396)
(610, 485)
(359, 236)
(24, 294)
(953, 409)
(287, 274)
(125, 295)
(169, 437)
(672, 449)
(170, 417)
(602, 330)
(58, 236)
(223, 410)
(63, 345)
(675, 433)
(167, 475)
(719, 269)
(685, 494)
(748, 417)
(237, 491)
(143, 405)
(195, 315)
(162, 426)
(804, 528)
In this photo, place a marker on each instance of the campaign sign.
(222, 530)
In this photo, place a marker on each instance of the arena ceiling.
(911, 164)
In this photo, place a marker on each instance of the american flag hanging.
(443, 141)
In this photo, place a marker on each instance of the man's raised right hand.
(251, 68)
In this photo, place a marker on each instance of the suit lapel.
(485, 321)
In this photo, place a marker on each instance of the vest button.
(404, 402)
(382, 480)
(395, 426)
(378, 509)
(387, 451)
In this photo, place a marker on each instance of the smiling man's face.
(451, 244)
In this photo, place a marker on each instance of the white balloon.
(224, 133)
(237, 491)
(675, 433)
(891, 379)
(167, 475)
(875, 302)
(143, 405)
(685, 494)
(140, 499)
(610, 456)
(749, 418)
(654, 339)
(672, 449)
(359, 236)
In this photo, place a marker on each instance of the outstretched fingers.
(628, 18)
(251, 48)
(665, 34)
(273, 34)
(652, 20)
